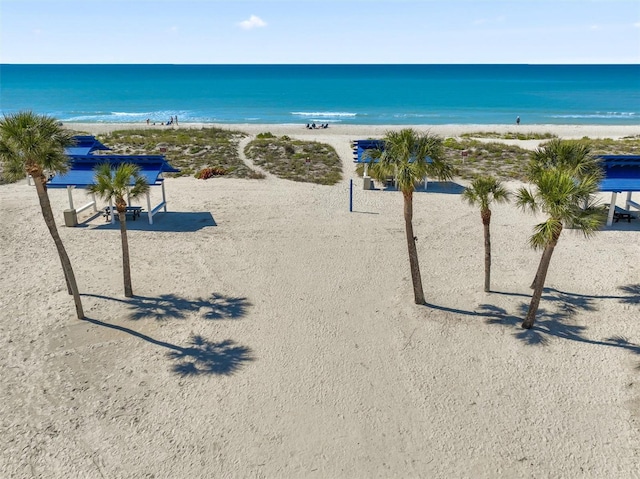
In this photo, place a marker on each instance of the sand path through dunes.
(241, 146)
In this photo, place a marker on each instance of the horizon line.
(322, 64)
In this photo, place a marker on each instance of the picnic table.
(133, 211)
(622, 214)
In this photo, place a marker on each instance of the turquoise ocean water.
(347, 94)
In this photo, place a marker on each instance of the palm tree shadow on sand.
(555, 321)
(170, 306)
(200, 356)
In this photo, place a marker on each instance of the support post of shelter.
(69, 192)
(95, 205)
(70, 217)
(113, 213)
(150, 213)
(612, 208)
(164, 198)
(351, 195)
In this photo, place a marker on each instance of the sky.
(320, 31)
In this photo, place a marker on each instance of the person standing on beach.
(517, 120)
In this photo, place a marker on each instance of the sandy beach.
(365, 131)
(273, 335)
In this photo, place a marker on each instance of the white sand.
(347, 377)
(365, 131)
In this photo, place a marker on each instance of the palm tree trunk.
(411, 246)
(541, 275)
(538, 272)
(47, 214)
(126, 268)
(486, 221)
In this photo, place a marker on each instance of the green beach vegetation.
(297, 160)
(190, 150)
(629, 145)
(472, 158)
(509, 135)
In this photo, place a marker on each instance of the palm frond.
(526, 200)
(545, 233)
(116, 183)
(566, 178)
(411, 156)
(31, 141)
(485, 190)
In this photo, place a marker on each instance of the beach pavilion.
(82, 163)
(621, 174)
(361, 155)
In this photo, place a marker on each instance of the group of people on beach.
(313, 126)
(173, 120)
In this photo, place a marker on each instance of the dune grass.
(472, 157)
(629, 145)
(296, 160)
(510, 135)
(191, 150)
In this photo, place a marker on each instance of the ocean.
(346, 94)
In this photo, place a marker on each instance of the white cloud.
(253, 22)
(637, 24)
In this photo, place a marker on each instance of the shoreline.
(567, 131)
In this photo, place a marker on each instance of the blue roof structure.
(84, 145)
(361, 146)
(621, 173)
(83, 162)
(81, 173)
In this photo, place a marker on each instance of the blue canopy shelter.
(85, 145)
(621, 173)
(361, 155)
(81, 173)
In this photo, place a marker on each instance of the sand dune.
(273, 334)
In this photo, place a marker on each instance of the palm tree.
(410, 156)
(570, 155)
(34, 145)
(114, 184)
(573, 156)
(483, 191)
(567, 197)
